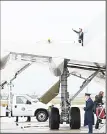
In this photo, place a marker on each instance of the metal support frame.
(65, 100)
(10, 98)
(3, 84)
(30, 57)
(19, 71)
(10, 85)
(77, 75)
(65, 105)
(85, 83)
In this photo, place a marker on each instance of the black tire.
(75, 118)
(42, 116)
(54, 118)
(97, 124)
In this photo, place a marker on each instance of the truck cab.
(24, 105)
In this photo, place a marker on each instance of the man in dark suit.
(89, 115)
(81, 35)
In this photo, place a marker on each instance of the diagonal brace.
(85, 83)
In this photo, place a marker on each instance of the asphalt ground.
(8, 125)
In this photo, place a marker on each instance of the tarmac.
(8, 125)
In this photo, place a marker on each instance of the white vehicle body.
(21, 108)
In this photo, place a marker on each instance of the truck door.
(22, 107)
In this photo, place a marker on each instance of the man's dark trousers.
(90, 126)
(80, 41)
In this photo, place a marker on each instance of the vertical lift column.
(65, 105)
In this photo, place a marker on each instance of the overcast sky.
(24, 23)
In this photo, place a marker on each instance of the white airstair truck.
(68, 114)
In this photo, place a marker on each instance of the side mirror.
(28, 102)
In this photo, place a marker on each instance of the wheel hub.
(42, 116)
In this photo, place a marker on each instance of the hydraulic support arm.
(85, 83)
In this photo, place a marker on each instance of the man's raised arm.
(75, 30)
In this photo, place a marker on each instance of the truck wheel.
(42, 116)
(75, 118)
(54, 118)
